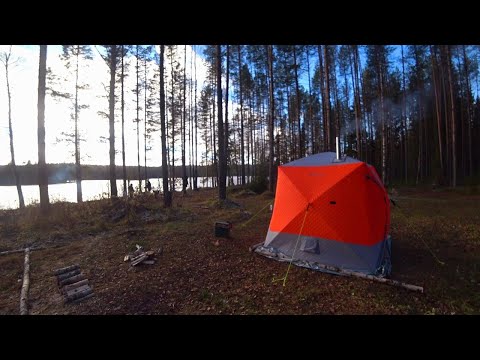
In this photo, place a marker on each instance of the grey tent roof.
(322, 159)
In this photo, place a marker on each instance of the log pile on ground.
(73, 284)
(140, 256)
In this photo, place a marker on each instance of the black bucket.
(222, 229)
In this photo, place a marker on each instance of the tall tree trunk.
(173, 121)
(242, 142)
(190, 124)
(335, 97)
(437, 106)
(124, 168)
(382, 117)
(214, 137)
(301, 150)
(327, 98)
(356, 100)
(251, 122)
(271, 123)
(78, 169)
(21, 200)
(166, 193)
(469, 111)
(42, 166)
(310, 115)
(227, 133)
(145, 121)
(404, 120)
(111, 102)
(452, 108)
(138, 123)
(183, 124)
(443, 76)
(222, 190)
(420, 117)
(462, 141)
(322, 93)
(195, 184)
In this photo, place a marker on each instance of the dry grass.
(200, 274)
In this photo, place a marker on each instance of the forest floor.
(435, 244)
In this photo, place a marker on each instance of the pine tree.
(167, 198)
(222, 191)
(7, 60)
(42, 166)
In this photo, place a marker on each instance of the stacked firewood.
(73, 284)
(140, 256)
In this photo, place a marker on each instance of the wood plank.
(72, 280)
(136, 257)
(139, 260)
(26, 284)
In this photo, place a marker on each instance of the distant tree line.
(61, 173)
(411, 111)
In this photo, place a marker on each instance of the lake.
(91, 190)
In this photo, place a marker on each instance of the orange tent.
(330, 214)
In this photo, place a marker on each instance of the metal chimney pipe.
(337, 141)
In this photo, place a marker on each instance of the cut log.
(67, 275)
(66, 269)
(85, 297)
(139, 260)
(148, 262)
(78, 295)
(150, 253)
(80, 289)
(67, 288)
(26, 284)
(71, 280)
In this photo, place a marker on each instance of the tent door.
(310, 245)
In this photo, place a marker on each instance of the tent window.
(310, 245)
